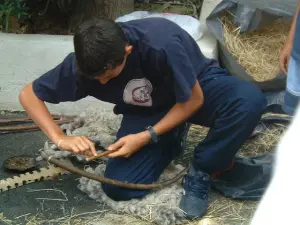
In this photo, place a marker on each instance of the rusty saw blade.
(31, 177)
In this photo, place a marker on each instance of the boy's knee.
(122, 194)
(252, 100)
(118, 193)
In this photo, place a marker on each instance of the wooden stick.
(26, 119)
(102, 154)
(31, 127)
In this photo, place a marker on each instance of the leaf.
(2, 7)
(164, 7)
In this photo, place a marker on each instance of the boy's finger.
(84, 143)
(81, 147)
(116, 145)
(93, 149)
(282, 64)
(91, 146)
(116, 154)
(75, 149)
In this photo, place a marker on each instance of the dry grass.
(224, 211)
(257, 51)
(89, 218)
(69, 219)
(263, 143)
(4, 220)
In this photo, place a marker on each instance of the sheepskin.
(160, 206)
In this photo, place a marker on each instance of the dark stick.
(25, 119)
(31, 127)
(100, 155)
(102, 179)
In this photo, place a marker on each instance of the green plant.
(12, 8)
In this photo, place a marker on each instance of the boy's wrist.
(57, 140)
(146, 137)
(153, 136)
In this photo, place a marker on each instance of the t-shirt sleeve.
(182, 70)
(60, 84)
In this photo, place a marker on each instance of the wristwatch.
(154, 137)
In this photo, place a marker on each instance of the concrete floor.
(20, 201)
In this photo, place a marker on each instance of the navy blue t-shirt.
(162, 68)
(296, 45)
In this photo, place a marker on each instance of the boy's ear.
(128, 49)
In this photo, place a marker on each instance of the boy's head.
(101, 49)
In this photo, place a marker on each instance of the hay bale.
(256, 51)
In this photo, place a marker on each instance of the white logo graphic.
(138, 92)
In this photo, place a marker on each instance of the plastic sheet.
(247, 180)
(188, 23)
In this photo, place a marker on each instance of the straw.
(256, 51)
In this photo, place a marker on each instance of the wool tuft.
(100, 125)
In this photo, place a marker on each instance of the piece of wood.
(30, 127)
(102, 154)
(23, 120)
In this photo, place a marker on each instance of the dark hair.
(99, 45)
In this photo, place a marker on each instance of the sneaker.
(194, 202)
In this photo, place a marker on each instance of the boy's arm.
(181, 111)
(189, 95)
(288, 46)
(57, 85)
(39, 113)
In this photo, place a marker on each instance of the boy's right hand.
(285, 55)
(79, 145)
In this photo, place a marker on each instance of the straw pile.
(256, 51)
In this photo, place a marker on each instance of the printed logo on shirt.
(138, 92)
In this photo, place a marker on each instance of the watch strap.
(154, 137)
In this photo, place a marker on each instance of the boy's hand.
(129, 144)
(79, 145)
(285, 55)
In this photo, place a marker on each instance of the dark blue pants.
(232, 108)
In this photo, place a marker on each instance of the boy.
(155, 74)
(290, 65)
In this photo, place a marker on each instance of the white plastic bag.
(186, 22)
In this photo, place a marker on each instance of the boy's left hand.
(129, 144)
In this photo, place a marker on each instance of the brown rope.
(102, 179)
(32, 127)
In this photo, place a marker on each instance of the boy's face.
(112, 73)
